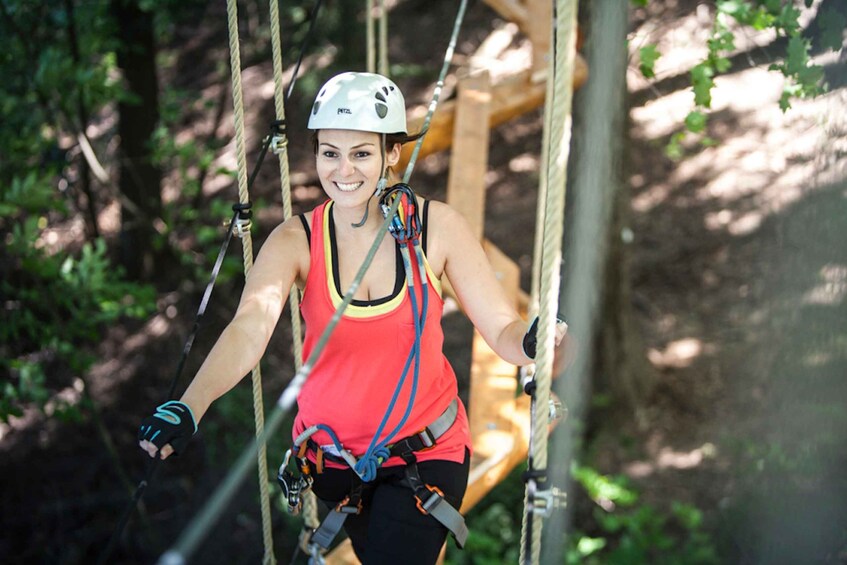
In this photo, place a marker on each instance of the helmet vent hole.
(381, 109)
(315, 108)
(380, 97)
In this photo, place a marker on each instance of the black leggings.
(390, 528)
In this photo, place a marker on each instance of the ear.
(392, 156)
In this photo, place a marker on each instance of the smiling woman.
(381, 435)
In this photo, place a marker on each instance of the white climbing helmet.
(361, 102)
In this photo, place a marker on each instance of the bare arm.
(284, 258)
(480, 293)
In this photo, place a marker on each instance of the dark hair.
(391, 139)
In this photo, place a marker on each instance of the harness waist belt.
(424, 439)
(438, 508)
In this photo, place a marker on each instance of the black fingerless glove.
(173, 423)
(530, 339)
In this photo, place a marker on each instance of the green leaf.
(695, 121)
(702, 83)
(648, 54)
(690, 517)
(832, 29)
(586, 545)
(735, 8)
(673, 150)
(789, 19)
(797, 55)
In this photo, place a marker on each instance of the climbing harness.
(428, 498)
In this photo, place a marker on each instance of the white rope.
(371, 49)
(558, 128)
(310, 507)
(247, 252)
(383, 39)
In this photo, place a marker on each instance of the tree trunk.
(140, 179)
(601, 131)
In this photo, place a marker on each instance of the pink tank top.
(351, 385)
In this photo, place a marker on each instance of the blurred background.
(705, 275)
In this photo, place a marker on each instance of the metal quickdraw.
(278, 141)
(243, 220)
(294, 484)
(406, 224)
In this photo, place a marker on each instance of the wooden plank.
(510, 98)
(469, 159)
(539, 31)
(507, 450)
(511, 10)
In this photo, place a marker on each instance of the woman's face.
(349, 164)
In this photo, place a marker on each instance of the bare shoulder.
(290, 233)
(444, 218)
(287, 247)
(448, 235)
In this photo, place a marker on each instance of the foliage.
(804, 79)
(57, 298)
(55, 303)
(623, 530)
(628, 532)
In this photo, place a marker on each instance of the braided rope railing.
(377, 51)
(558, 128)
(369, 36)
(383, 38)
(200, 525)
(247, 252)
(310, 506)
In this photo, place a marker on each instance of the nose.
(346, 167)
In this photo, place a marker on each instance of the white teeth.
(348, 187)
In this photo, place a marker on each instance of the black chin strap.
(380, 185)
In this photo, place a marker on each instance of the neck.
(347, 220)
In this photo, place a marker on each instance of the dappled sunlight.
(832, 289)
(669, 458)
(525, 163)
(677, 354)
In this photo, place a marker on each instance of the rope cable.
(369, 36)
(439, 86)
(558, 128)
(310, 506)
(312, 19)
(247, 253)
(383, 39)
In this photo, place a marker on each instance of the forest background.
(713, 428)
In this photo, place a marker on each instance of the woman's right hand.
(168, 430)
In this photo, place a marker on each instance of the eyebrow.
(367, 143)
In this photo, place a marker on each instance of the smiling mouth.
(348, 186)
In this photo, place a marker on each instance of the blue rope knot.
(370, 462)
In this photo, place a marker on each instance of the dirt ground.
(740, 289)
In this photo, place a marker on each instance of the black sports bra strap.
(306, 227)
(423, 224)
